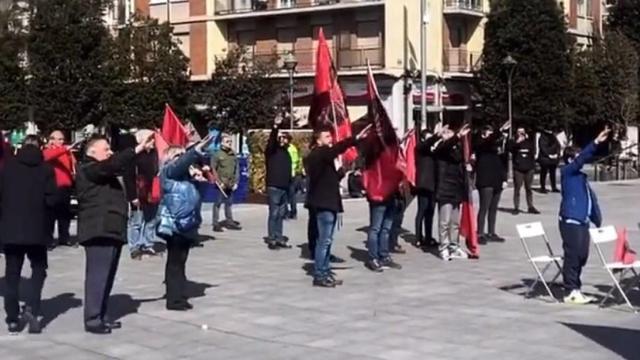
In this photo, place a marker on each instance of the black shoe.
(282, 243)
(13, 328)
(374, 265)
(390, 264)
(113, 325)
(483, 239)
(555, 190)
(336, 260)
(337, 282)
(543, 191)
(101, 329)
(272, 245)
(533, 210)
(181, 306)
(136, 254)
(326, 282)
(398, 250)
(516, 211)
(217, 228)
(32, 321)
(496, 238)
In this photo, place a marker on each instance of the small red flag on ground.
(328, 108)
(623, 252)
(172, 129)
(468, 220)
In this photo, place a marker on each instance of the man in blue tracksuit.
(578, 208)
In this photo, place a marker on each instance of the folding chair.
(531, 231)
(608, 234)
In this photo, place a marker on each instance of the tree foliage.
(13, 110)
(541, 79)
(240, 96)
(152, 71)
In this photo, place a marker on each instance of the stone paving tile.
(259, 304)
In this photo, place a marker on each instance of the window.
(368, 34)
(287, 3)
(286, 39)
(582, 8)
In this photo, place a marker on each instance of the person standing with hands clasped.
(323, 198)
(102, 224)
(524, 164)
(578, 208)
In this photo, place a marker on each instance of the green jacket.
(296, 160)
(225, 164)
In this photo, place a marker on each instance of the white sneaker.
(458, 253)
(445, 254)
(576, 297)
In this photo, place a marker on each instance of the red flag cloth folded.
(172, 129)
(623, 252)
(161, 145)
(409, 151)
(468, 220)
(381, 149)
(328, 108)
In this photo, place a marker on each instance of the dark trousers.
(292, 196)
(326, 225)
(62, 215)
(312, 232)
(102, 257)
(575, 243)
(14, 259)
(520, 178)
(489, 200)
(396, 226)
(424, 216)
(175, 270)
(551, 170)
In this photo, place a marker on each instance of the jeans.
(228, 202)
(424, 216)
(575, 243)
(175, 269)
(292, 196)
(277, 199)
(520, 178)
(449, 227)
(326, 224)
(141, 230)
(489, 200)
(14, 259)
(396, 226)
(62, 215)
(380, 223)
(551, 170)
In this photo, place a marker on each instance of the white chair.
(532, 231)
(605, 235)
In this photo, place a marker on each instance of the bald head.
(56, 138)
(98, 147)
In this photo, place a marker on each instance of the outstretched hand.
(464, 131)
(604, 134)
(364, 132)
(146, 144)
(204, 143)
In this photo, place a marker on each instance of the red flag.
(623, 252)
(160, 145)
(172, 129)
(382, 174)
(328, 108)
(409, 154)
(468, 220)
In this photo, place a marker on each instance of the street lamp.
(510, 63)
(289, 64)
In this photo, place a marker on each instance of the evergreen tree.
(534, 33)
(624, 17)
(13, 109)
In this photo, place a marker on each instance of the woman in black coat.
(490, 175)
(27, 193)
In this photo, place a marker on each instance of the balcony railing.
(228, 7)
(346, 59)
(463, 5)
(461, 60)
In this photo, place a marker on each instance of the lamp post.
(424, 21)
(510, 63)
(289, 64)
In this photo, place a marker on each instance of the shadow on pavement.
(359, 254)
(623, 342)
(522, 288)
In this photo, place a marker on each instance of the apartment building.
(584, 18)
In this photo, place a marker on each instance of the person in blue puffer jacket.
(179, 217)
(578, 208)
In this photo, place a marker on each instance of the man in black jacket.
(425, 189)
(28, 193)
(278, 164)
(323, 198)
(549, 158)
(524, 164)
(102, 224)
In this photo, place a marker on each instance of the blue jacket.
(179, 211)
(576, 190)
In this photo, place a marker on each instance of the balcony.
(225, 9)
(464, 7)
(461, 61)
(346, 59)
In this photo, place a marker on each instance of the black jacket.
(426, 168)
(143, 169)
(28, 192)
(278, 162)
(523, 155)
(548, 146)
(490, 169)
(324, 180)
(450, 185)
(102, 204)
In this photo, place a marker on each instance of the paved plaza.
(253, 303)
